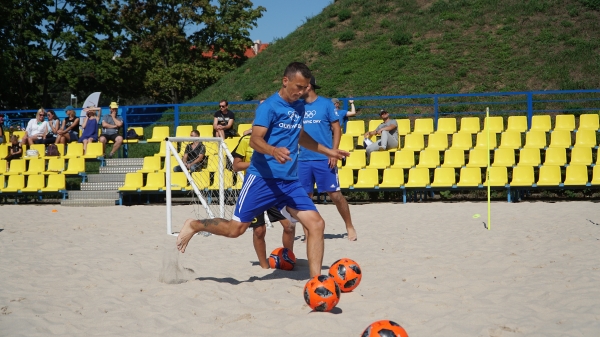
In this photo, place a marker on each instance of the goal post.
(214, 188)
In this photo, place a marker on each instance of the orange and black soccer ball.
(321, 293)
(384, 328)
(282, 258)
(346, 273)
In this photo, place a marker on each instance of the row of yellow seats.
(42, 166)
(469, 177)
(472, 125)
(155, 181)
(474, 158)
(74, 150)
(211, 147)
(508, 139)
(35, 183)
(159, 133)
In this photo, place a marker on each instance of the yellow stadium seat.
(213, 163)
(205, 130)
(414, 142)
(469, 177)
(446, 125)
(3, 150)
(478, 158)
(74, 150)
(585, 138)
(510, 140)
(75, 166)
(564, 122)
(498, 177)
(367, 178)
(429, 159)
(231, 143)
(535, 140)
(61, 149)
(36, 166)
(470, 125)
(555, 157)
(462, 141)
(529, 157)
(392, 178)
(423, 126)
(154, 182)
(549, 176)
(355, 128)
(588, 122)
(15, 183)
(152, 164)
(19, 134)
(581, 156)
(577, 175)
(541, 123)
(560, 139)
(93, 151)
(504, 157)
(56, 182)
(17, 166)
(183, 131)
(404, 160)
(2, 168)
(418, 177)
(346, 143)
(522, 176)
(211, 148)
(159, 133)
(403, 126)
(41, 149)
(379, 160)
(227, 177)
(373, 124)
(496, 124)
(517, 123)
(138, 130)
(346, 177)
(437, 141)
(35, 183)
(201, 179)
(163, 169)
(454, 158)
(178, 181)
(358, 160)
(162, 150)
(596, 175)
(481, 141)
(133, 182)
(443, 177)
(243, 127)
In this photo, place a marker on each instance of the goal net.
(213, 186)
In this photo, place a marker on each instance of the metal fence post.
(125, 146)
(529, 109)
(435, 112)
(176, 118)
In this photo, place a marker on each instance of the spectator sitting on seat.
(53, 127)
(388, 131)
(223, 122)
(344, 114)
(194, 155)
(90, 127)
(69, 132)
(36, 129)
(110, 129)
(1, 129)
(15, 151)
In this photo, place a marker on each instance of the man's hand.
(281, 154)
(332, 162)
(337, 154)
(367, 134)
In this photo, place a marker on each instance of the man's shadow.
(326, 236)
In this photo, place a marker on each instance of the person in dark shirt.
(194, 155)
(15, 151)
(223, 122)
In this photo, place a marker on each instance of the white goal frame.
(221, 153)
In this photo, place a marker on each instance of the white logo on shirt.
(293, 116)
(310, 113)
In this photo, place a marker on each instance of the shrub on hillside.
(344, 14)
(593, 4)
(347, 36)
(401, 38)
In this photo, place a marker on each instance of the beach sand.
(431, 267)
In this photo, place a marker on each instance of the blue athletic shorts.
(258, 195)
(318, 171)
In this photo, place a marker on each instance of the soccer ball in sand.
(384, 328)
(282, 258)
(321, 293)
(346, 273)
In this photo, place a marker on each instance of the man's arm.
(308, 142)
(337, 135)
(118, 122)
(387, 128)
(352, 111)
(258, 143)
(216, 124)
(230, 123)
(239, 164)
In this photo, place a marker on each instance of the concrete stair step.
(87, 195)
(119, 169)
(106, 186)
(125, 162)
(88, 203)
(106, 178)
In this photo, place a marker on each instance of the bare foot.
(185, 235)
(351, 233)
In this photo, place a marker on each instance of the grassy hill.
(398, 47)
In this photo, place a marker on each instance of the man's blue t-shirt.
(318, 117)
(283, 121)
(342, 114)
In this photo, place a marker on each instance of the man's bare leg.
(289, 233)
(217, 226)
(258, 240)
(342, 205)
(310, 195)
(315, 243)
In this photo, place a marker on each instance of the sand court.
(431, 267)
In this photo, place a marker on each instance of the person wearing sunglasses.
(36, 129)
(223, 122)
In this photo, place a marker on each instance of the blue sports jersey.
(283, 121)
(318, 117)
(342, 114)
